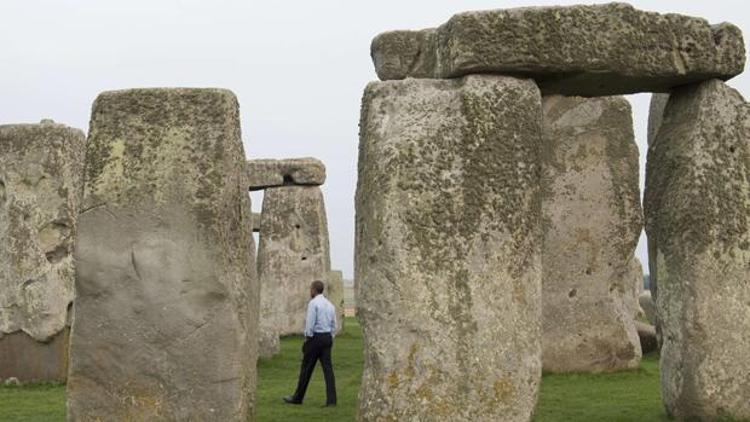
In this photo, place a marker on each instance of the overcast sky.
(297, 67)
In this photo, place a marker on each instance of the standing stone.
(655, 117)
(697, 205)
(635, 286)
(270, 310)
(448, 249)
(649, 307)
(592, 220)
(40, 193)
(166, 313)
(335, 295)
(647, 337)
(589, 50)
(292, 253)
(255, 219)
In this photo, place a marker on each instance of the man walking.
(320, 328)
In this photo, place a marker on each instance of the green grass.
(277, 378)
(625, 396)
(622, 396)
(37, 403)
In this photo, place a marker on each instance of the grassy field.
(625, 396)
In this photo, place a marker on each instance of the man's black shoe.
(291, 400)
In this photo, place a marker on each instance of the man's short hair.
(318, 286)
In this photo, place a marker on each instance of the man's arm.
(310, 319)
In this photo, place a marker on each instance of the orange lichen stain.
(393, 382)
(504, 390)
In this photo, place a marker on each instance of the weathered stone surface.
(655, 114)
(267, 173)
(256, 219)
(40, 193)
(448, 249)
(165, 318)
(591, 50)
(335, 294)
(592, 220)
(655, 117)
(293, 252)
(649, 307)
(697, 204)
(635, 286)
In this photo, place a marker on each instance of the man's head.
(316, 288)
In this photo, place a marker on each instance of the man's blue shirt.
(321, 317)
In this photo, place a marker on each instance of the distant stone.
(40, 194)
(636, 274)
(256, 219)
(697, 203)
(648, 306)
(335, 294)
(31, 361)
(593, 219)
(166, 308)
(293, 251)
(264, 174)
(448, 250)
(647, 337)
(590, 50)
(12, 381)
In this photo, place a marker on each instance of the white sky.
(297, 67)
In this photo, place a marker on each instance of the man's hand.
(305, 343)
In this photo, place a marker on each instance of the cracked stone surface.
(293, 251)
(267, 173)
(448, 249)
(40, 193)
(592, 221)
(697, 204)
(165, 321)
(590, 50)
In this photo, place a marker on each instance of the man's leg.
(310, 357)
(325, 362)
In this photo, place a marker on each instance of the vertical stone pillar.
(335, 294)
(592, 221)
(40, 193)
(293, 252)
(448, 249)
(697, 204)
(166, 313)
(655, 116)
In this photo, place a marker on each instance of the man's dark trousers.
(317, 347)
